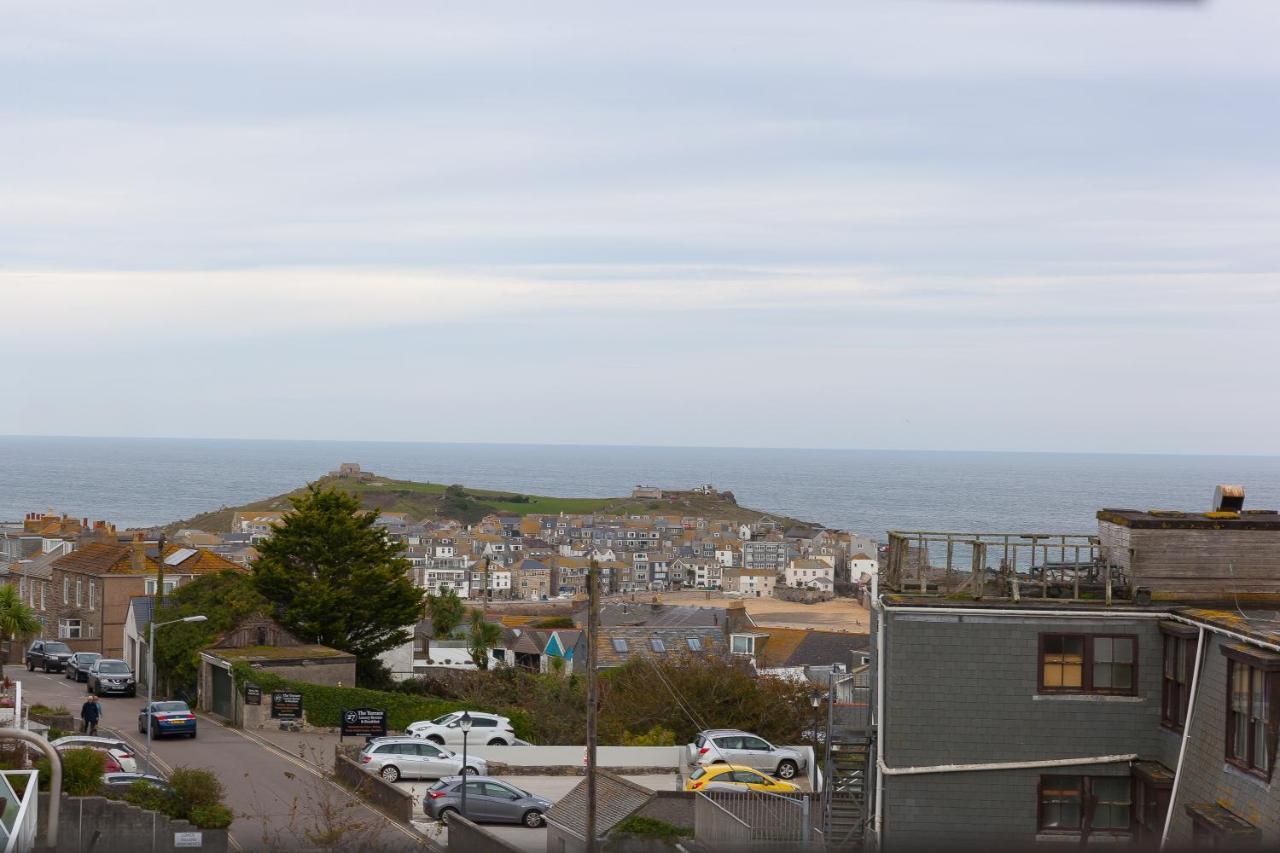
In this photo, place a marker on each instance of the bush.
(147, 796)
(554, 622)
(211, 817)
(656, 736)
(192, 788)
(81, 772)
(648, 827)
(196, 796)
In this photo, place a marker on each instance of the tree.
(484, 636)
(335, 578)
(16, 618)
(225, 599)
(446, 612)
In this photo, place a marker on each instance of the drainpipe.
(879, 742)
(55, 777)
(1006, 765)
(1186, 735)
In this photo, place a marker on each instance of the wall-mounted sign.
(252, 694)
(286, 705)
(364, 722)
(188, 839)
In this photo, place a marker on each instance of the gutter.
(1006, 765)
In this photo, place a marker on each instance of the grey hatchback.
(488, 801)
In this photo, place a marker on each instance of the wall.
(96, 824)
(1206, 776)
(803, 596)
(466, 837)
(385, 797)
(963, 689)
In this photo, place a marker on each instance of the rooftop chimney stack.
(1228, 498)
(139, 553)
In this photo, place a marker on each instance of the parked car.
(486, 729)
(731, 777)
(394, 758)
(78, 666)
(111, 675)
(120, 751)
(732, 746)
(49, 655)
(489, 800)
(110, 764)
(169, 717)
(121, 782)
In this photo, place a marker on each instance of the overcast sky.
(947, 224)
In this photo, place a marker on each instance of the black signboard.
(286, 705)
(364, 722)
(252, 694)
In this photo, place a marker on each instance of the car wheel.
(46, 668)
(390, 773)
(88, 687)
(155, 732)
(787, 770)
(192, 735)
(497, 742)
(436, 739)
(142, 730)
(532, 819)
(471, 770)
(446, 815)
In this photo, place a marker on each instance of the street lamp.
(465, 725)
(151, 676)
(816, 700)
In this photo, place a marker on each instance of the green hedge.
(324, 704)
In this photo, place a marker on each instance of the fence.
(20, 814)
(751, 817)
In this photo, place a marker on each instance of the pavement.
(276, 785)
(550, 787)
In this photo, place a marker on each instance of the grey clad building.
(1042, 689)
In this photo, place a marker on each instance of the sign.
(188, 839)
(286, 705)
(364, 722)
(252, 694)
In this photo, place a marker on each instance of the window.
(149, 586)
(1179, 660)
(1079, 663)
(1215, 828)
(79, 593)
(66, 584)
(742, 644)
(93, 590)
(1153, 784)
(658, 645)
(620, 646)
(1252, 708)
(68, 629)
(1086, 804)
(42, 586)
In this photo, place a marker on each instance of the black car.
(110, 675)
(49, 655)
(78, 666)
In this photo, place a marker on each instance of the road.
(280, 802)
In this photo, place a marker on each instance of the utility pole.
(593, 621)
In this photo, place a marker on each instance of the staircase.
(845, 798)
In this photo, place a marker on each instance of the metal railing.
(18, 820)
(750, 817)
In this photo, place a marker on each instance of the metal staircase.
(845, 797)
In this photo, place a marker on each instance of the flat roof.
(1168, 519)
(278, 653)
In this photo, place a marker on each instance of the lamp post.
(151, 672)
(817, 703)
(465, 725)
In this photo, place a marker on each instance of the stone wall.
(466, 837)
(801, 596)
(96, 823)
(385, 797)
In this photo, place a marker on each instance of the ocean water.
(144, 481)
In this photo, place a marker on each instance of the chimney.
(139, 557)
(1228, 498)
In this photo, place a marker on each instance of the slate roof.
(822, 648)
(616, 800)
(675, 640)
(637, 613)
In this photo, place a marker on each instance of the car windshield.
(113, 667)
(445, 720)
(170, 707)
(56, 647)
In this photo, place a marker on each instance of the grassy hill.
(436, 500)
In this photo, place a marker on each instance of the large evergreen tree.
(335, 578)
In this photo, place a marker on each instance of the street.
(280, 802)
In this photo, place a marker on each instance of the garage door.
(221, 692)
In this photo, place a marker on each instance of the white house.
(863, 567)
(810, 573)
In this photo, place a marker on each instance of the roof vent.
(1228, 499)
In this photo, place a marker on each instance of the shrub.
(648, 827)
(211, 817)
(194, 788)
(81, 772)
(147, 796)
(656, 736)
(554, 622)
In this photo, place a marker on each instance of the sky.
(934, 224)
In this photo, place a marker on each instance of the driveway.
(550, 787)
(280, 802)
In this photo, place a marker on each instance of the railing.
(745, 817)
(18, 819)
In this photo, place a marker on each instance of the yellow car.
(734, 777)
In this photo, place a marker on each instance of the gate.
(221, 692)
(754, 818)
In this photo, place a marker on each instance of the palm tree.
(16, 618)
(484, 636)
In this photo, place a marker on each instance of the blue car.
(170, 717)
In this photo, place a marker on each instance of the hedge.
(323, 704)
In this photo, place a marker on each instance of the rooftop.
(1168, 519)
(255, 653)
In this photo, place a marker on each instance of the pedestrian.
(90, 713)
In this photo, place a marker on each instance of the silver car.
(395, 758)
(488, 801)
(733, 746)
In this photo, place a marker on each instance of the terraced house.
(1047, 688)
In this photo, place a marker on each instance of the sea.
(137, 482)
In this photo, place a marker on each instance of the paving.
(277, 788)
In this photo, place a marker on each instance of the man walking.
(90, 713)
